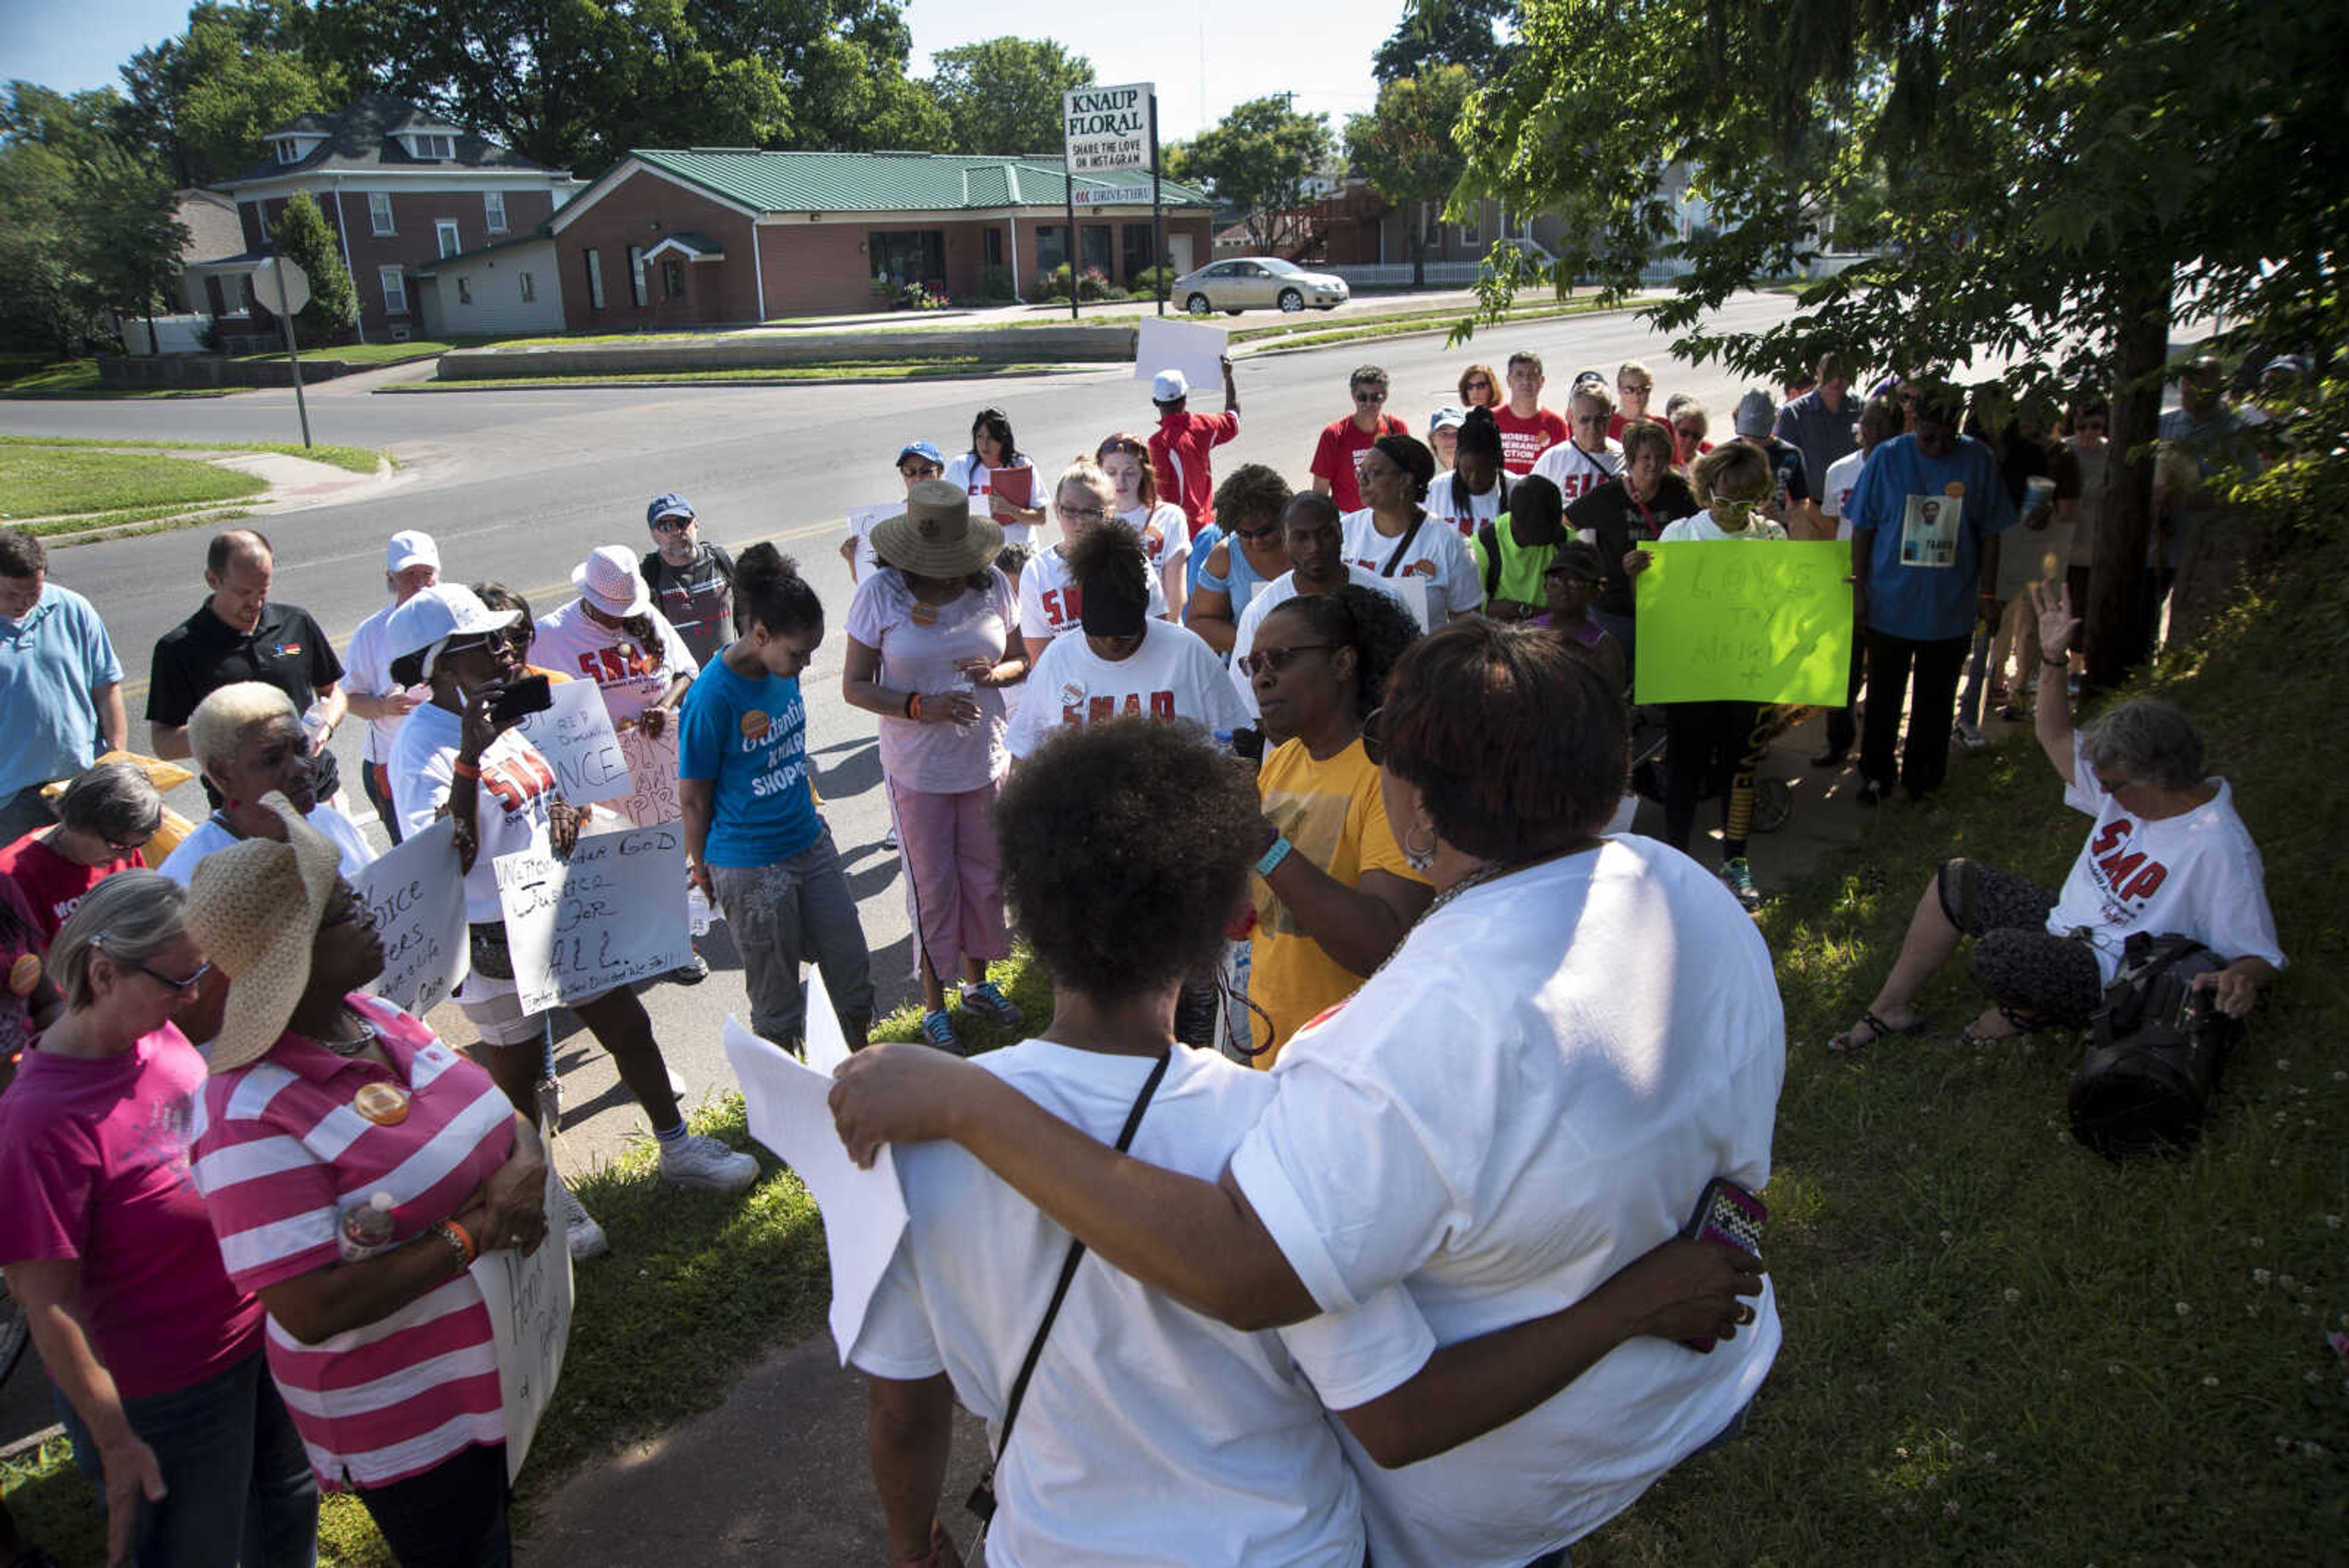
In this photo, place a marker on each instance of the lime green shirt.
(1522, 565)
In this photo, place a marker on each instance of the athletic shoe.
(701, 1162)
(1739, 878)
(1871, 793)
(889, 839)
(692, 973)
(986, 1000)
(1967, 736)
(586, 1239)
(1828, 757)
(938, 1029)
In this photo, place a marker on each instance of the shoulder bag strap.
(982, 1498)
(1403, 544)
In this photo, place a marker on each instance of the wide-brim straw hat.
(936, 535)
(253, 907)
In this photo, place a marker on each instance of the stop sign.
(281, 288)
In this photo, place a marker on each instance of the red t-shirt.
(1178, 452)
(52, 884)
(1338, 456)
(1523, 440)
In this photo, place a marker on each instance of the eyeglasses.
(1478, 385)
(1374, 740)
(1082, 513)
(1257, 535)
(1369, 397)
(158, 976)
(1273, 661)
(455, 646)
(672, 524)
(1635, 388)
(133, 847)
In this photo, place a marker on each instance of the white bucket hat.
(610, 580)
(430, 619)
(253, 907)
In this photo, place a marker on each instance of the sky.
(1204, 55)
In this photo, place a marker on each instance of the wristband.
(465, 770)
(458, 1237)
(1274, 856)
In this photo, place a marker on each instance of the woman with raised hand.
(1536, 1090)
(155, 1352)
(353, 1167)
(933, 641)
(753, 842)
(1165, 534)
(1334, 891)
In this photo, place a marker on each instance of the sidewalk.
(776, 1476)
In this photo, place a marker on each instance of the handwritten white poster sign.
(415, 897)
(575, 738)
(611, 914)
(530, 1314)
(1186, 346)
(652, 776)
(864, 1210)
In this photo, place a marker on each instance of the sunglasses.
(1369, 397)
(1082, 513)
(1273, 661)
(1257, 535)
(158, 976)
(119, 847)
(1634, 388)
(672, 524)
(1479, 385)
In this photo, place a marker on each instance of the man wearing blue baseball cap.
(692, 583)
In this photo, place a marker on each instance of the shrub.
(1146, 282)
(304, 238)
(995, 285)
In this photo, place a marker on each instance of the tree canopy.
(201, 102)
(1464, 33)
(1003, 94)
(1405, 146)
(87, 220)
(1257, 160)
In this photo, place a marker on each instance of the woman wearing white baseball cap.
(453, 759)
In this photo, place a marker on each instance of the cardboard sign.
(1729, 620)
(530, 1315)
(576, 738)
(652, 774)
(784, 1102)
(1186, 346)
(416, 897)
(611, 914)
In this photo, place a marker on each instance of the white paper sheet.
(575, 737)
(530, 1301)
(825, 1046)
(612, 914)
(1196, 349)
(417, 899)
(864, 1210)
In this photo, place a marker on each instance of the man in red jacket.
(1179, 447)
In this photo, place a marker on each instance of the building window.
(672, 278)
(901, 257)
(464, 291)
(1095, 239)
(493, 206)
(1473, 233)
(991, 248)
(289, 151)
(1052, 248)
(529, 288)
(637, 276)
(1135, 253)
(380, 212)
(432, 149)
(595, 281)
(394, 290)
(446, 229)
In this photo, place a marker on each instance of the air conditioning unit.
(399, 334)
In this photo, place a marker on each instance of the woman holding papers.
(455, 756)
(997, 472)
(753, 842)
(155, 1352)
(1395, 537)
(1166, 534)
(353, 1167)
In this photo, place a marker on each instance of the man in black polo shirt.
(240, 634)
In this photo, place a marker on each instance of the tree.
(1003, 94)
(302, 237)
(87, 224)
(1445, 33)
(2063, 179)
(1406, 148)
(202, 101)
(1256, 160)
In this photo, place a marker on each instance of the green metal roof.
(885, 181)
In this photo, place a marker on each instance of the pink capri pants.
(954, 885)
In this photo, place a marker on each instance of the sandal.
(1845, 1042)
(2018, 1023)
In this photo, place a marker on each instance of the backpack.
(2155, 1049)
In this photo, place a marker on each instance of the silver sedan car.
(1246, 283)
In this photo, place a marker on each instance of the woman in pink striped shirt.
(353, 1166)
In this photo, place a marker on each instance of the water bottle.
(365, 1228)
(968, 684)
(699, 911)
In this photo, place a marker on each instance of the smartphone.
(1727, 1214)
(519, 698)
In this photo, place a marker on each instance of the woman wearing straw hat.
(933, 639)
(155, 1352)
(353, 1167)
(452, 758)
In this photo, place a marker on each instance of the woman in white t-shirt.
(1532, 1093)
(1124, 662)
(613, 635)
(2168, 856)
(1050, 604)
(1398, 538)
(1165, 534)
(992, 447)
(1195, 1442)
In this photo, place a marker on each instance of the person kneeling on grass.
(2168, 856)
(1113, 1457)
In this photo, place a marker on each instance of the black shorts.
(2024, 967)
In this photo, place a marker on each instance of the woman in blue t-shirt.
(1236, 554)
(753, 842)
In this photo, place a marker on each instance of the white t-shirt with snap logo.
(1438, 558)
(1173, 675)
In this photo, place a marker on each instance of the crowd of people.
(1289, 779)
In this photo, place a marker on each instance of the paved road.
(517, 486)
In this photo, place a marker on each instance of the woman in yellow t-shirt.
(1334, 892)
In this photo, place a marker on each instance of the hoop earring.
(1419, 859)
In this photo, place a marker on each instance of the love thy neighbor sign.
(1108, 127)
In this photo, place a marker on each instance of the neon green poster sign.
(1764, 621)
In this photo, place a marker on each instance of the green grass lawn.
(356, 459)
(845, 371)
(43, 481)
(371, 353)
(29, 377)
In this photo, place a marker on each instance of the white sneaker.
(1967, 736)
(889, 839)
(586, 1239)
(705, 1163)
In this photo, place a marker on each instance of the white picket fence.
(173, 334)
(1460, 274)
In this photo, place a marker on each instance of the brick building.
(401, 186)
(711, 235)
